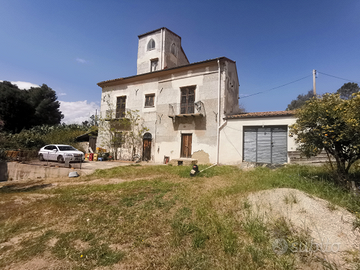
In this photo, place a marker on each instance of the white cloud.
(78, 111)
(61, 94)
(24, 85)
(82, 61)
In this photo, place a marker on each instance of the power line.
(277, 87)
(337, 77)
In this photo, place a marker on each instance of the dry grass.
(163, 220)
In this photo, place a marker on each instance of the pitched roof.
(156, 30)
(158, 72)
(261, 114)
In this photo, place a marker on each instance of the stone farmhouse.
(191, 109)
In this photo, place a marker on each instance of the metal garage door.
(265, 144)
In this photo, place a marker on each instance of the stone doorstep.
(183, 161)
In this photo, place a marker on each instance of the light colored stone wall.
(163, 41)
(231, 136)
(166, 133)
(144, 56)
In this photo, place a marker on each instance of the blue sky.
(71, 45)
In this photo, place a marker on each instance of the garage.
(265, 144)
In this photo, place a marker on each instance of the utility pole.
(314, 82)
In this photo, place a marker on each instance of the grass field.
(160, 218)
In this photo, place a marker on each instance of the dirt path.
(330, 227)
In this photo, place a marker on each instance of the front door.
(146, 149)
(186, 141)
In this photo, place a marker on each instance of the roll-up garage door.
(265, 144)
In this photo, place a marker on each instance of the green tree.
(44, 101)
(15, 110)
(300, 101)
(23, 109)
(331, 124)
(347, 90)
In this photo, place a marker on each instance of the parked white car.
(60, 152)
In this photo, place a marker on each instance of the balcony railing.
(181, 110)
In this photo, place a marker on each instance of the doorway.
(186, 142)
(265, 144)
(147, 138)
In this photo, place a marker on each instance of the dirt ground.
(330, 227)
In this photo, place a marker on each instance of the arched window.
(173, 49)
(147, 136)
(151, 45)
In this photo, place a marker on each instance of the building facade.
(182, 104)
(190, 109)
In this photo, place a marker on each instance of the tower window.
(173, 49)
(151, 45)
(154, 64)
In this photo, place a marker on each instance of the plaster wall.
(166, 132)
(231, 136)
(144, 56)
(163, 43)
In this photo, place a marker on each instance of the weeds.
(164, 220)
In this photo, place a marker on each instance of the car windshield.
(66, 148)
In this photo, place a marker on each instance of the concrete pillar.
(3, 171)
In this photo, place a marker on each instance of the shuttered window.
(265, 144)
(120, 107)
(187, 100)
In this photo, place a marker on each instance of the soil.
(330, 227)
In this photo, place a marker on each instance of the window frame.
(154, 63)
(187, 99)
(151, 45)
(149, 97)
(120, 107)
(173, 49)
(119, 139)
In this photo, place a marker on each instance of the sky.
(71, 45)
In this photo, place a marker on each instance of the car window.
(66, 148)
(49, 147)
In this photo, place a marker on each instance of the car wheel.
(41, 157)
(60, 159)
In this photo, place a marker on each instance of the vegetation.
(36, 137)
(24, 109)
(124, 133)
(158, 217)
(300, 101)
(344, 91)
(330, 124)
(347, 90)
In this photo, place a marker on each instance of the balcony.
(119, 124)
(181, 110)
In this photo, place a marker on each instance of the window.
(120, 107)
(151, 45)
(173, 49)
(187, 100)
(153, 64)
(149, 100)
(50, 147)
(117, 139)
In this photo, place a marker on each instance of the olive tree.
(330, 124)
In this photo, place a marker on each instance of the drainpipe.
(218, 116)
(162, 50)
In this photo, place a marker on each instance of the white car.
(60, 152)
